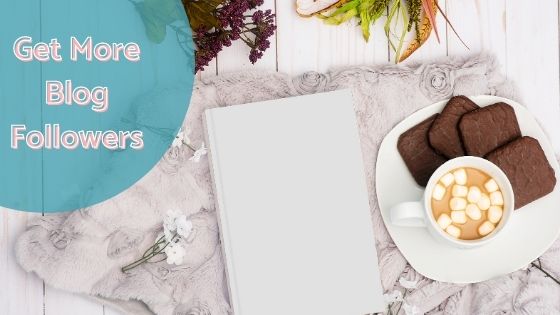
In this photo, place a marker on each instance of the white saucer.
(530, 232)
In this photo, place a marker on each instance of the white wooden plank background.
(523, 37)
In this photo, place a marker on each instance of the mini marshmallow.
(457, 203)
(460, 176)
(439, 192)
(474, 194)
(496, 198)
(495, 214)
(453, 231)
(491, 185)
(484, 202)
(473, 211)
(485, 228)
(459, 217)
(444, 221)
(459, 191)
(447, 179)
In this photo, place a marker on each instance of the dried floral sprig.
(225, 21)
(537, 264)
(396, 298)
(403, 14)
(176, 229)
(155, 250)
(182, 139)
(414, 12)
(215, 24)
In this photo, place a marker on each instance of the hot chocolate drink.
(467, 203)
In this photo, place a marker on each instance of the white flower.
(408, 284)
(168, 235)
(178, 141)
(169, 220)
(198, 154)
(395, 296)
(184, 226)
(411, 309)
(175, 253)
(181, 138)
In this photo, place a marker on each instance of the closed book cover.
(293, 207)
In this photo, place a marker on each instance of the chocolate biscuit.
(487, 128)
(420, 158)
(528, 170)
(444, 134)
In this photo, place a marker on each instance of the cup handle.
(409, 214)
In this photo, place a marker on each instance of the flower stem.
(400, 305)
(189, 146)
(545, 272)
(150, 253)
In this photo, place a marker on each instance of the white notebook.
(293, 207)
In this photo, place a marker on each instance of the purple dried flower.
(255, 55)
(234, 22)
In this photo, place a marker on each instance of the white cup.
(419, 213)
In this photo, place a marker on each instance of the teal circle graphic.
(92, 94)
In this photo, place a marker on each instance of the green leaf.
(201, 13)
(344, 13)
(387, 26)
(341, 18)
(365, 19)
(346, 7)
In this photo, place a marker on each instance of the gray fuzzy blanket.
(83, 251)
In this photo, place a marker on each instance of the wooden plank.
(21, 292)
(481, 25)
(532, 60)
(107, 310)
(236, 57)
(307, 44)
(58, 302)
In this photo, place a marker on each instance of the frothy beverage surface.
(467, 203)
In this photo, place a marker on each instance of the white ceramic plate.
(530, 232)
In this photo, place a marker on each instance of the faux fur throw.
(84, 251)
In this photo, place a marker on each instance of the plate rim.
(424, 113)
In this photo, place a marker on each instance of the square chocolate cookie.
(528, 170)
(420, 158)
(444, 134)
(487, 128)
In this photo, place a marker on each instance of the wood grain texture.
(20, 292)
(532, 60)
(58, 302)
(524, 40)
(481, 25)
